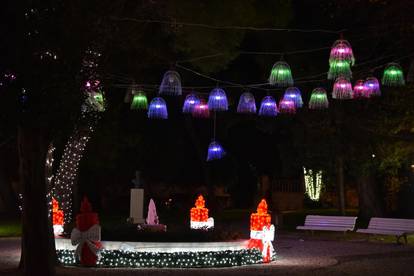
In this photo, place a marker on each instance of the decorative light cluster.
(199, 215)
(171, 84)
(342, 89)
(340, 60)
(247, 104)
(158, 109)
(393, 75)
(313, 183)
(139, 100)
(119, 258)
(268, 107)
(281, 75)
(217, 100)
(260, 218)
(318, 99)
(293, 94)
(215, 151)
(190, 102)
(201, 110)
(57, 218)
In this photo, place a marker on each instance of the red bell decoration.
(87, 235)
(261, 231)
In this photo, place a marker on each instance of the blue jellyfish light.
(171, 84)
(190, 102)
(157, 109)
(247, 104)
(217, 100)
(372, 86)
(293, 94)
(268, 107)
(215, 151)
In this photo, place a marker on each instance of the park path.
(297, 255)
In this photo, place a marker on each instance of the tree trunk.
(340, 183)
(369, 198)
(38, 249)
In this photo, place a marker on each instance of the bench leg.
(405, 239)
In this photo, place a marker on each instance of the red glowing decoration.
(57, 218)
(199, 215)
(261, 218)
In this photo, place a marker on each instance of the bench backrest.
(331, 221)
(392, 224)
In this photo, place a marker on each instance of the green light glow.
(139, 101)
(393, 75)
(313, 183)
(318, 99)
(339, 68)
(281, 75)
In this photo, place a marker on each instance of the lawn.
(10, 227)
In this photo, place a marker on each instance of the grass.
(10, 227)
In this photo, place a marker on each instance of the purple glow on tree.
(157, 109)
(287, 106)
(201, 110)
(360, 91)
(372, 87)
(190, 102)
(268, 107)
(293, 94)
(171, 84)
(342, 51)
(247, 104)
(217, 100)
(215, 151)
(342, 89)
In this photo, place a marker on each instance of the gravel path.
(296, 256)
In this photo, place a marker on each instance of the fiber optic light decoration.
(247, 103)
(318, 99)
(268, 107)
(199, 216)
(171, 84)
(342, 51)
(313, 183)
(360, 90)
(281, 75)
(157, 109)
(215, 151)
(201, 110)
(139, 101)
(217, 100)
(393, 75)
(287, 106)
(190, 102)
(121, 258)
(339, 68)
(342, 89)
(262, 231)
(372, 87)
(293, 94)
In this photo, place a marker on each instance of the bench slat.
(328, 223)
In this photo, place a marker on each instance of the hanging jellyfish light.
(318, 99)
(281, 75)
(287, 106)
(293, 94)
(360, 90)
(342, 89)
(217, 100)
(190, 102)
(339, 68)
(215, 151)
(139, 101)
(342, 51)
(201, 110)
(247, 104)
(393, 75)
(171, 84)
(268, 107)
(157, 109)
(372, 87)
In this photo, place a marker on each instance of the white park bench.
(390, 226)
(328, 223)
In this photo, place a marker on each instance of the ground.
(298, 254)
